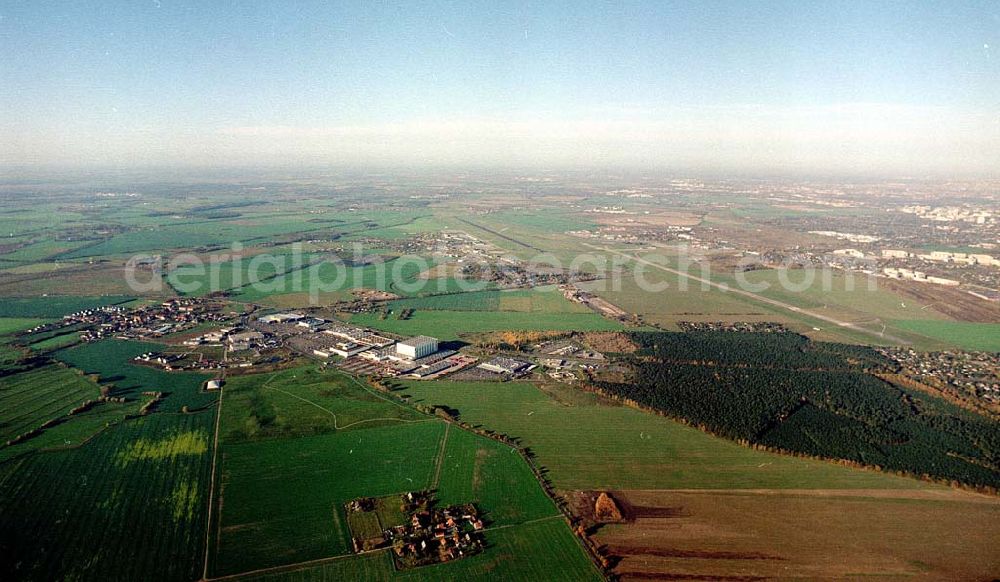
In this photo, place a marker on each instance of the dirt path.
(294, 567)
(211, 486)
(440, 459)
(336, 424)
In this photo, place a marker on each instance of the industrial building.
(417, 347)
(281, 318)
(504, 365)
(343, 349)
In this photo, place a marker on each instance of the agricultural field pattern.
(244, 379)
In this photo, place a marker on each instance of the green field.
(49, 307)
(968, 336)
(112, 360)
(74, 430)
(537, 300)
(664, 298)
(31, 398)
(395, 275)
(99, 513)
(449, 324)
(544, 550)
(585, 445)
(494, 476)
(303, 401)
(283, 501)
(9, 325)
(43, 249)
(10, 357)
(56, 342)
(283, 498)
(225, 273)
(206, 233)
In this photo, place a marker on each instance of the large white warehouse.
(417, 347)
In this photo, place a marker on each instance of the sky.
(859, 87)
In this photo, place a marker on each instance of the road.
(754, 296)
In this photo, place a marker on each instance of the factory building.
(417, 347)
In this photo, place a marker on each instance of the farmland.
(691, 432)
(282, 499)
(538, 300)
(111, 360)
(970, 336)
(9, 325)
(491, 474)
(131, 516)
(449, 324)
(699, 496)
(303, 401)
(278, 505)
(555, 556)
(569, 431)
(29, 399)
(394, 275)
(53, 307)
(720, 534)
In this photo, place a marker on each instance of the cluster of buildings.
(428, 535)
(969, 374)
(913, 275)
(506, 366)
(734, 326)
(144, 322)
(857, 238)
(636, 234)
(951, 213)
(365, 351)
(180, 361)
(598, 304)
(936, 257)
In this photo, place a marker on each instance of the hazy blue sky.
(867, 86)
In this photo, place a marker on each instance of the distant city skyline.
(873, 88)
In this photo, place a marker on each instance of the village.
(146, 322)
(422, 533)
(967, 375)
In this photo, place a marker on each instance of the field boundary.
(440, 457)
(211, 486)
(336, 426)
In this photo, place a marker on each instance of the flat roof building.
(504, 365)
(417, 347)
